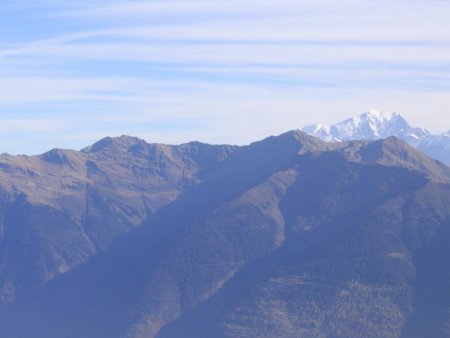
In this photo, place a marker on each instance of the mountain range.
(374, 125)
(290, 236)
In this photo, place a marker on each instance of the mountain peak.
(298, 139)
(123, 142)
(380, 115)
(371, 125)
(393, 151)
(375, 124)
(61, 157)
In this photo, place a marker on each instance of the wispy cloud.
(101, 67)
(10, 126)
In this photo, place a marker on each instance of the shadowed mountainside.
(287, 237)
(60, 208)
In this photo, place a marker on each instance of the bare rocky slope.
(287, 237)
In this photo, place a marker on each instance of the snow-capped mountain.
(375, 124)
(436, 146)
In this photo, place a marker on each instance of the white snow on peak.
(375, 124)
(371, 125)
(381, 116)
(322, 127)
(319, 130)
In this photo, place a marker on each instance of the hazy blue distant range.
(375, 125)
(290, 236)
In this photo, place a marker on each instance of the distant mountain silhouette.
(290, 236)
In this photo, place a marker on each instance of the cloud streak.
(208, 63)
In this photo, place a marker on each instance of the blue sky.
(223, 71)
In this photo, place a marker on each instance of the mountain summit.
(371, 125)
(375, 124)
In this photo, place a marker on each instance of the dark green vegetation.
(287, 237)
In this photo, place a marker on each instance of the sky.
(222, 71)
